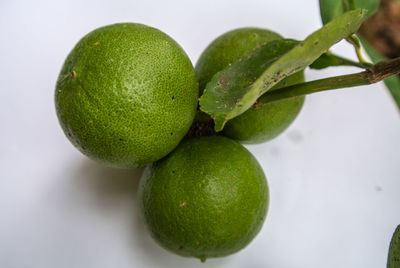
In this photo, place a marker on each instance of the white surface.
(334, 175)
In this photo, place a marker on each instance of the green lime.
(208, 198)
(126, 95)
(263, 121)
(227, 48)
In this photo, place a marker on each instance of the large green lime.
(126, 94)
(208, 198)
(263, 121)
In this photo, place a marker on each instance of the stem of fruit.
(374, 74)
(353, 39)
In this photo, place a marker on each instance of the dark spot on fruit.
(173, 171)
(173, 97)
(121, 139)
(172, 133)
(73, 74)
(316, 43)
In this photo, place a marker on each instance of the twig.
(374, 74)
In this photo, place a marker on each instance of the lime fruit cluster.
(263, 121)
(126, 95)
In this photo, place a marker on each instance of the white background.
(334, 174)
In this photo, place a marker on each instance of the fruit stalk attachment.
(355, 41)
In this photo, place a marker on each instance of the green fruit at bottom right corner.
(207, 199)
(263, 121)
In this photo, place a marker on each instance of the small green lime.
(126, 95)
(263, 121)
(208, 198)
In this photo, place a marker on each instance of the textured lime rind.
(126, 95)
(394, 250)
(208, 198)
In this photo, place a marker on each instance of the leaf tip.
(219, 123)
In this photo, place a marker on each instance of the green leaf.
(331, 9)
(325, 61)
(370, 5)
(231, 92)
(224, 89)
(348, 5)
(394, 250)
(393, 82)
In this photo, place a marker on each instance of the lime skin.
(263, 121)
(208, 198)
(126, 95)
